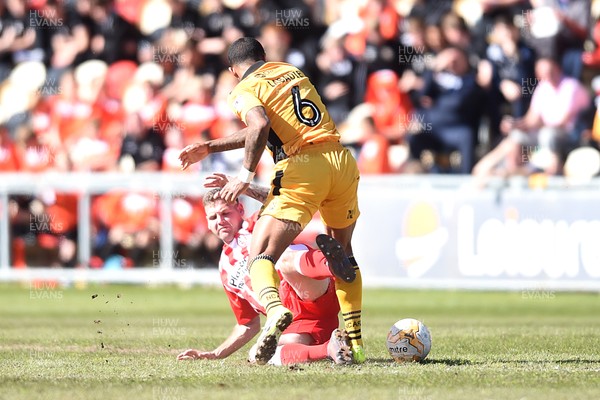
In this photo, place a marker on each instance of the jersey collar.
(253, 68)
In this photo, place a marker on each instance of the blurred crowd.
(483, 87)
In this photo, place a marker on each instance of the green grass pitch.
(60, 343)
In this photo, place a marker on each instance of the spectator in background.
(390, 106)
(455, 31)
(225, 123)
(54, 217)
(218, 32)
(33, 155)
(174, 145)
(225, 84)
(186, 18)
(434, 37)
(545, 129)
(506, 73)
(127, 227)
(513, 11)
(14, 35)
(23, 239)
(113, 37)
(373, 157)
(448, 112)
(420, 44)
(381, 37)
(142, 148)
(65, 36)
(64, 114)
(191, 108)
(336, 79)
(558, 29)
(25, 43)
(88, 151)
(79, 16)
(193, 241)
(250, 15)
(277, 43)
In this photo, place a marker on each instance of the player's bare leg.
(309, 271)
(270, 238)
(350, 294)
(300, 348)
(307, 288)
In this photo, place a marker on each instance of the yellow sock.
(265, 283)
(350, 298)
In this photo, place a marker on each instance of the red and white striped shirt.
(236, 279)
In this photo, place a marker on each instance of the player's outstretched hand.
(193, 354)
(216, 180)
(232, 190)
(192, 154)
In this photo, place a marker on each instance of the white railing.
(162, 185)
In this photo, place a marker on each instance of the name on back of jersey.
(290, 76)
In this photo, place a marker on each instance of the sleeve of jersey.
(243, 311)
(242, 101)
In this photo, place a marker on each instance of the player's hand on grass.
(232, 190)
(193, 354)
(216, 180)
(192, 154)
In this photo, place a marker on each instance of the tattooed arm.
(253, 138)
(256, 135)
(257, 192)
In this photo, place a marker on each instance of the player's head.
(244, 52)
(224, 219)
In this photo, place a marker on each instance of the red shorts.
(317, 318)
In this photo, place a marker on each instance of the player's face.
(225, 219)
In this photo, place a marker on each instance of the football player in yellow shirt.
(313, 172)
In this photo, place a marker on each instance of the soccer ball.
(409, 340)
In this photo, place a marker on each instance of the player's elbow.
(258, 119)
(263, 125)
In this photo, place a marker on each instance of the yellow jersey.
(297, 114)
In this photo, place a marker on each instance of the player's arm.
(239, 336)
(199, 151)
(257, 192)
(253, 137)
(257, 134)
